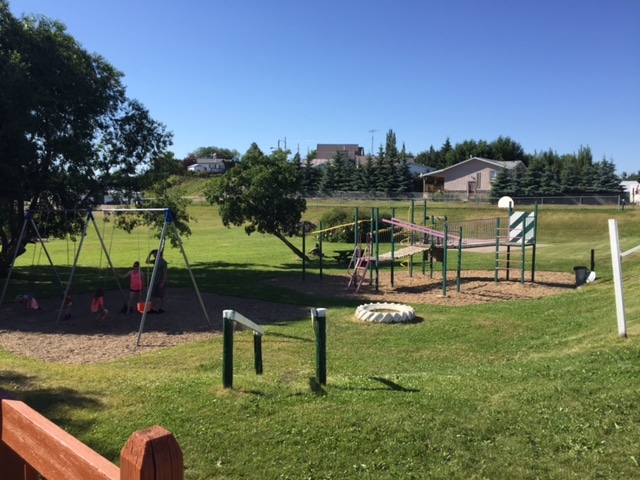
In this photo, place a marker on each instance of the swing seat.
(141, 307)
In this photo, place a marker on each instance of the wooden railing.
(32, 447)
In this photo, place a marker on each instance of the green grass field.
(523, 389)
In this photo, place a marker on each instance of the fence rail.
(32, 447)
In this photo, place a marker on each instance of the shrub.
(337, 217)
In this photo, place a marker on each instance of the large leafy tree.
(263, 193)
(221, 153)
(68, 132)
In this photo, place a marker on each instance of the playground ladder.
(511, 260)
(360, 267)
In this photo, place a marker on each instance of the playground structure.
(433, 239)
(66, 286)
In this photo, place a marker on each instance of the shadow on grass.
(292, 337)
(316, 388)
(55, 404)
(394, 386)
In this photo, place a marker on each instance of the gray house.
(468, 178)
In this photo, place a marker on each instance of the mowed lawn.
(522, 389)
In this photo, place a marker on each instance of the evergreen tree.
(502, 185)
(381, 182)
(444, 154)
(609, 181)
(505, 149)
(367, 176)
(532, 181)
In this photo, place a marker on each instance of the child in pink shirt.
(97, 305)
(136, 285)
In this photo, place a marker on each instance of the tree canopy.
(68, 132)
(263, 193)
(551, 174)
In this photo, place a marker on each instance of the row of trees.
(550, 174)
(388, 173)
(503, 149)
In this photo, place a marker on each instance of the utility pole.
(372, 131)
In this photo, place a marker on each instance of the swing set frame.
(90, 219)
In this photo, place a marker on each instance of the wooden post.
(151, 454)
(32, 447)
(44, 447)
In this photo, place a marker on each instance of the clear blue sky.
(550, 74)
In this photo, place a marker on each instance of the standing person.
(160, 282)
(97, 305)
(136, 285)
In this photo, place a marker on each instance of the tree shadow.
(56, 404)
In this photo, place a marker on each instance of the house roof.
(209, 161)
(498, 164)
(328, 150)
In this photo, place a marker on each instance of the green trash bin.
(581, 275)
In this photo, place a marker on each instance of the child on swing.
(29, 300)
(136, 285)
(97, 305)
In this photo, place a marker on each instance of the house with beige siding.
(467, 179)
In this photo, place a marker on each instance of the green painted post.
(356, 239)
(377, 226)
(445, 243)
(257, 352)
(393, 238)
(304, 251)
(535, 241)
(497, 263)
(227, 352)
(319, 320)
(320, 246)
(459, 261)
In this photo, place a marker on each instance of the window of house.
(479, 181)
(493, 175)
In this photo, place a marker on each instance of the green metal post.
(444, 260)
(377, 227)
(227, 352)
(424, 238)
(257, 352)
(319, 320)
(497, 263)
(535, 241)
(304, 252)
(393, 239)
(320, 247)
(356, 240)
(459, 261)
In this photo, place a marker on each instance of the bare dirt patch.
(37, 334)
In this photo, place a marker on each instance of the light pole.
(372, 131)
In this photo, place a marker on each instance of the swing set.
(90, 220)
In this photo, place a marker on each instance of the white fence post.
(616, 263)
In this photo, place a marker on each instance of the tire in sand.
(383, 312)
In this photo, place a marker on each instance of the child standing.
(97, 305)
(136, 284)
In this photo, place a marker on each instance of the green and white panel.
(522, 225)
